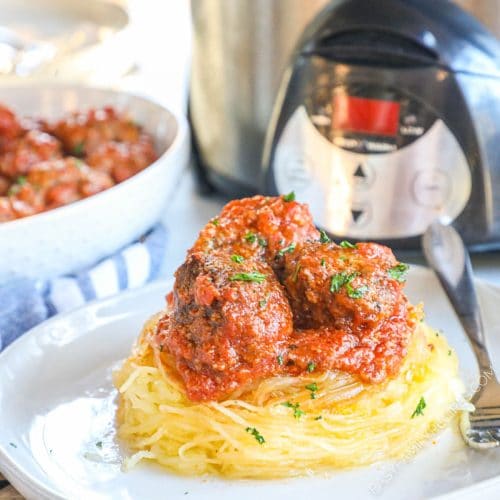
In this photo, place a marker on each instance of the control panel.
(371, 162)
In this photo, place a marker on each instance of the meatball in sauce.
(45, 165)
(263, 294)
(230, 321)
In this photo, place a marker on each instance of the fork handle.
(445, 252)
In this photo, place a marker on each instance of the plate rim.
(23, 480)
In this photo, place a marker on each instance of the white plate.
(57, 402)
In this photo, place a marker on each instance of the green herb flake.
(289, 197)
(21, 180)
(323, 237)
(340, 279)
(250, 237)
(289, 249)
(237, 258)
(347, 244)
(323, 262)
(254, 277)
(318, 418)
(14, 445)
(215, 222)
(355, 293)
(262, 302)
(295, 274)
(419, 410)
(280, 359)
(79, 149)
(256, 434)
(311, 366)
(313, 387)
(262, 242)
(398, 272)
(99, 444)
(297, 412)
(449, 352)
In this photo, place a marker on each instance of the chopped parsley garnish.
(297, 412)
(280, 359)
(340, 279)
(347, 244)
(289, 249)
(313, 387)
(256, 434)
(323, 263)
(289, 197)
(449, 352)
(262, 302)
(295, 274)
(355, 293)
(254, 277)
(79, 149)
(318, 418)
(419, 410)
(215, 222)
(99, 444)
(237, 258)
(262, 242)
(323, 237)
(311, 366)
(21, 180)
(398, 272)
(250, 237)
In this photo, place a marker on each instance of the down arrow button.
(356, 214)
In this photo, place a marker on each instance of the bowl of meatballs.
(83, 171)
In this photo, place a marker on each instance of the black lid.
(416, 31)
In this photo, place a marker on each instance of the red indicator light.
(369, 116)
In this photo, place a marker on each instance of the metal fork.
(446, 254)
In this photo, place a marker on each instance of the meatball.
(10, 127)
(122, 160)
(82, 133)
(66, 180)
(21, 154)
(4, 185)
(230, 320)
(25, 199)
(346, 287)
(260, 226)
(6, 211)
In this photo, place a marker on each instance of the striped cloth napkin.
(24, 303)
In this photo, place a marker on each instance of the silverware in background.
(446, 254)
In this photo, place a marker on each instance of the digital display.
(368, 116)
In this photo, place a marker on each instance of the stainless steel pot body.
(240, 50)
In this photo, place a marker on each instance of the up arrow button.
(363, 175)
(359, 172)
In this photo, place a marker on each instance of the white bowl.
(71, 237)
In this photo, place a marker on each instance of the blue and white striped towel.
(25, 303)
